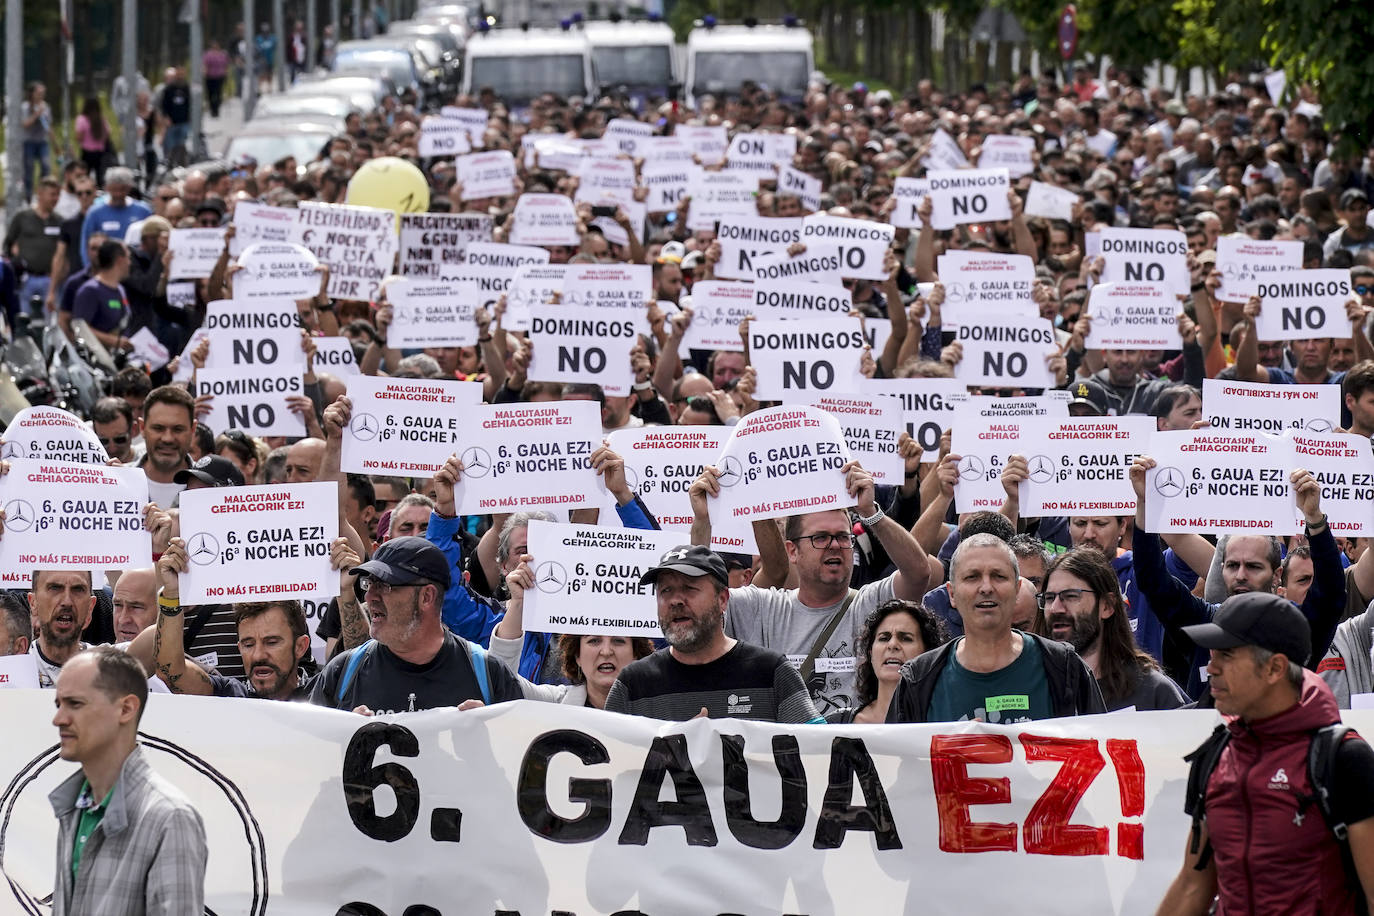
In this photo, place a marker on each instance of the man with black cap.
(412, 662)
(1260, 841)
(209, 471)
(703, 672)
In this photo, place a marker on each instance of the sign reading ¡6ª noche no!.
(61, 515)
(554, 808)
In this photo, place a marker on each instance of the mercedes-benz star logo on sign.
(365, 427)
(202, 549)
(731, 472)
(1169, 482)
(1319, 426)
(11, 449)
(476, 461)
(1041, 469)
(550, 577)
(19, 515)
(970, 468)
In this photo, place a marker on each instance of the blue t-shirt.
(104, 308)
(111, 220)
(1020, 692)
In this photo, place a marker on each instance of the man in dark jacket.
(1261, 843)
(993, 673)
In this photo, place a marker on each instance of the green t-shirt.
(1016, 693)
(91, 815)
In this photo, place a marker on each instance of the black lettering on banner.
(668, 756)
(1000, 364)
(975, 204)
(575, 358)
(820, 373)
(262, 415)
(927, 434)
(246, 352)
(361, 779)
(1141, 273)
(849, 758)
(738, 814)
(595, 794)
(1312, 318)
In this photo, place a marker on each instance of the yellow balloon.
(391, 184)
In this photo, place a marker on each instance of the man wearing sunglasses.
(113, 421)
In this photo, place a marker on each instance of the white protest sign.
(440, 136)
(708, 144)
(1303, 304)
(1145, 256)
(431, 241)
(195, 252)
(255, 403)
(770, 147)
(335, 355)
(907, 194)
(1274, 84)
(986, 281)
(1052, 404)
(556, 153)
(1005, 351)
(432, 313)
(870, 424)
(660, 150)
(405, 427)
(358, 243)
(181, 295)
(818, 264)
(667, 183)
(61, 515)
(275, 271)
(485, 175)
(149, 350)
(586, 579)
(801, 185)
(968, 196)
(1215, 482)
(945, 152)
(474, 119)
(796, 359)
(51, 434)
(983, 445)
(635, 214)
(582, 343)
(863, 244)
(1261, 407)
(1243, 262)
(533, 284)
(529, 456)
(621, 286)
(1133, 316)
(259, 543)
(255, 222)
(251, 336)
(1343, 464)
(544, 219)
(745, 240)
(1013, 153)
(1050, 202)
(185, 368)
(718, 306)
(502, 256)
(781, 461)
(927, 407)
(720, 197)
(1081, 465)
(19, 671)
(661, 463)
(775, 299)
(627, 134)
(606, 180)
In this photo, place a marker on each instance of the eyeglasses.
(166, 198)
(368, 583)
(115, 440)
(85, 193)
(1364, 290)
(1068, 596)
(826, 541)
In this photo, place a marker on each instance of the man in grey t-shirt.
(820, 546)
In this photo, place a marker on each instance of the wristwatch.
(877, 516)
(642, 386)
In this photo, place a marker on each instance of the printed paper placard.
(63, 515)
(405, 427)
(1217, 482)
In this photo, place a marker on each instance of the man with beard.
(272, 636)
(62, 604)
(1250, 563)
(169, 422)
(703, 672)
(1082, 605)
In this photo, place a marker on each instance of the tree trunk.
(922, 45)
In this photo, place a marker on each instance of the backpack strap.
(1203, 762)
(1321, 775)
(356, 656)
(478, 656)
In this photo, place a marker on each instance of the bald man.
(303, 461)
(135, 603)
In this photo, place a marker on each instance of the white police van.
(639, 58)
(521, 64)
(721, 58)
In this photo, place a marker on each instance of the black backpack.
(1321, 774)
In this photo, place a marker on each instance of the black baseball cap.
(1090, 394)
(403, 561)
(1256, 619)
(211, 470)
(737, 560)
(690, 560)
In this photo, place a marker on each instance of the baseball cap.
(737, 560)
(403, 560)
(213, 471)
(1176, 108)
(690, 560)
(213, 204)
(672, 252)
(1091, 394)
(1256, 619)
(1207, 257)
(692, 259)
(1351, 196)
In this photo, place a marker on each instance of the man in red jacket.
(1263, 846)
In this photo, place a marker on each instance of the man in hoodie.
(1259, 841)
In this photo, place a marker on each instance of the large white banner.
(550, 808)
